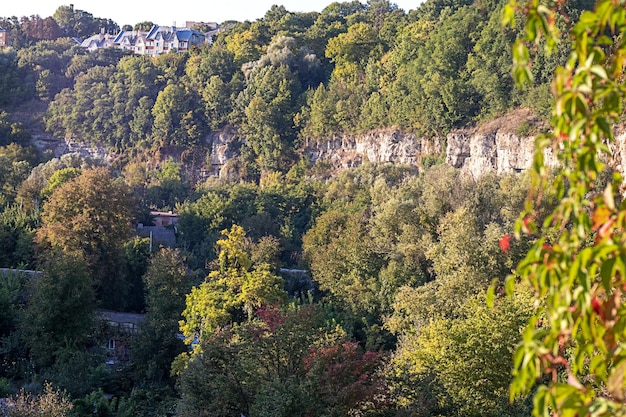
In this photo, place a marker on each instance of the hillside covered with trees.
(281, 80)
(288, 292)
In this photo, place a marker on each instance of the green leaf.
(491, 293)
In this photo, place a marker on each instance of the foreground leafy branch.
(575, 343)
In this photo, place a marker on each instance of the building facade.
(159, 40)
(4, 37)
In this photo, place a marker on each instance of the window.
(111, 344)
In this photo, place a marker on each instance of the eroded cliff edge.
(504, 145)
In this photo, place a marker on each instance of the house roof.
(130, 36)
(160, 235)
(98, 41)
(117, 317)
(169, 33)
(185, 35)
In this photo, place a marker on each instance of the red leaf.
(595, 303)
(505, 243)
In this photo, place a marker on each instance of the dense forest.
(289, 291)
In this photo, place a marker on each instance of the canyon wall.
(499, 146)
(347, 151)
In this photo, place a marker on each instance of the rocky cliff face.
(220, 152)
(349, 151)
(341, 152)
(480, 153)
(58, 147)
(495, 147)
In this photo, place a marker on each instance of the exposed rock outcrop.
(58, 147)
(500, 146)
(220, 152)
(341, 152)
(348, 151)
(480, 153)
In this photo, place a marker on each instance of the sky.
(166, 13)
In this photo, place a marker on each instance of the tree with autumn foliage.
(91, 215)
(287, 361)
(232, 291)
(577, 265)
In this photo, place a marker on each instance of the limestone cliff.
(501, 146)
(498, 152)
(58, 147)
(495, 147)
(349, 151)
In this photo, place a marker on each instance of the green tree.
(167, 281)
(452, 352)
(144, 26)
(12, 286)
(269, 104)
(343, 260)
(350, 51)
(15, 162)
(490, 67)
(321, 121)
(243, 44)
(81, 24)
(60, 311)
(11, 89)
(136, 257)
(177, 119)
(59, 178)
(17, 230)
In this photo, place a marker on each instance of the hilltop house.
(160, 39)
(99, 41)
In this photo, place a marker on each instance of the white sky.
(166, 13)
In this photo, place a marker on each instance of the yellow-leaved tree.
(232, 291)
